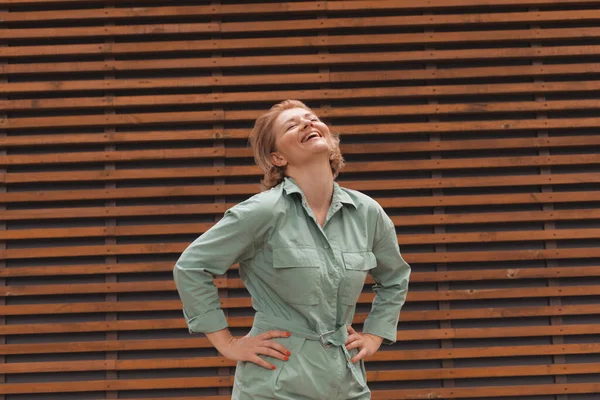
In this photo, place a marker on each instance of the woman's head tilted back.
(290, 134)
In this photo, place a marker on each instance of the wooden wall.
(123, 136)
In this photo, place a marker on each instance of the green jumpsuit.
(303, 278)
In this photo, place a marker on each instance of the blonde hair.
(262, 140)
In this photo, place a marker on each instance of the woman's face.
(299, 137)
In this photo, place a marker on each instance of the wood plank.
(478, 392)
(372, 376)
(354, 59)
(168, 136)
(253, 170)
(164, 286)
(518, 35)
(380, 356)
(190, 342)
(200, 209)
(403, 239)
(140, 14)
(251, 189)
(242, 80)
(359, 5)
(412, 258)
(342, 112)
(445, 276)
(245, 322)
(227, 303)
(226, 381)
(368, 93)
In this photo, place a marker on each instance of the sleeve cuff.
(382, 329)
(212, 321)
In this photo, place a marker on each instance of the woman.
(305, 246)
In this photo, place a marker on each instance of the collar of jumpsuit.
(339, 196)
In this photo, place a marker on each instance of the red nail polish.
(287, 353)
(285, 358)
(287, 334)
(273, 367)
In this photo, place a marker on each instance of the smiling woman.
(305, 246)
(273, 136)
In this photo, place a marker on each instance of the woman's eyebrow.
(306, 115)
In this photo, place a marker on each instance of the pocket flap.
(359, 261)
(299, 257)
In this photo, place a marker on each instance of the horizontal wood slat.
(245, 322)
(393, 355)
(398, 148)
(414, 165)
(359, 5)
(331, 77)
(513, 36)
(140, 14)
(305, 60)
(174, 248)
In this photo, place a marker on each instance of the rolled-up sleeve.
(391, 278)
(226, 243)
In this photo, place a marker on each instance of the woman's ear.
(278, 160)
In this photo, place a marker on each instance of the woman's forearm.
(220, 338)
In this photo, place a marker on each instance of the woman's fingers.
(355, 345)
(276, 346)
(361, 354)
(352, 338)
(260, 362)
(351, 330)
(273, 334)
(267, 351)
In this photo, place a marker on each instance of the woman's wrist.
(377, 339)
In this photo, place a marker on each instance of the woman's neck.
(316, 182)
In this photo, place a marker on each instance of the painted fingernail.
(287, 353)
(287, 334)
(285, 358)
(273, 367)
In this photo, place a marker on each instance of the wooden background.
(123, 133)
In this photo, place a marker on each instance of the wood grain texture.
(474, 124)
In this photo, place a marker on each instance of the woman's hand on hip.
(367, 344)
(249, 347)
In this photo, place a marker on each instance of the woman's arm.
(227, 242)
(391, 282)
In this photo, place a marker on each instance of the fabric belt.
(327, 339)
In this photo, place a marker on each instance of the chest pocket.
(356, 267)
(297, 274)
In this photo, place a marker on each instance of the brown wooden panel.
(332, 77)
(245, 322)
(289, 42)
(375, 148)
(374, 166)
(304, 60)
(472, 123)
(175, 248)
(374, 376)
(393, 355)
(196, 382)
(359, 5)
(484, 236)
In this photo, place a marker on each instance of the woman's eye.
(290, 127)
